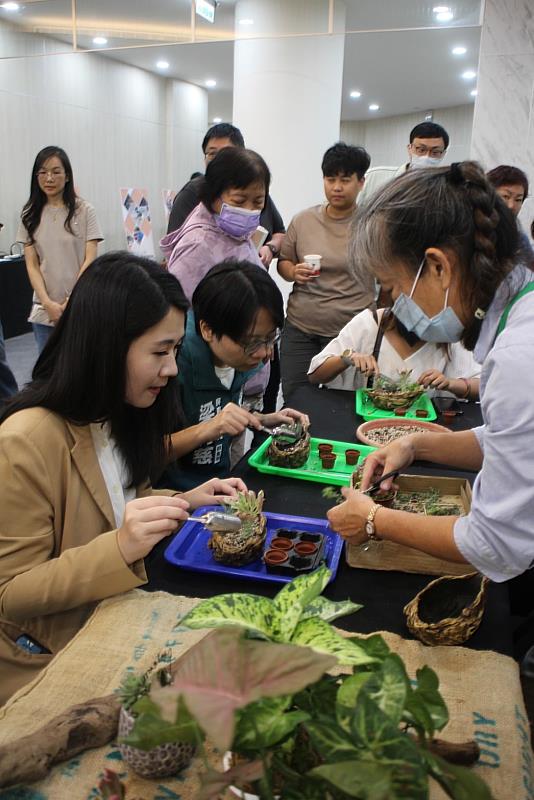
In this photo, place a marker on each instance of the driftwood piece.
(82, 727)
(464, 754)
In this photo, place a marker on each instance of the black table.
(15, 296)
(383, 594)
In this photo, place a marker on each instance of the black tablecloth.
(383, 594)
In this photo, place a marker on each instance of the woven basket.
(391, 400)
(291, 457)
(448, 610)
(235, 553)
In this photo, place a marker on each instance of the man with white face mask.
(427, 148)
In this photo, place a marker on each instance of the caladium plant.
(296, 615)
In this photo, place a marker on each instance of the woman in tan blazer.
(77, 448)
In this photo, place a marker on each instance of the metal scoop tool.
(219, 521)
(282, 433)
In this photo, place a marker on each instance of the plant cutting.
(290, 453)
(390, 394)
(237, 548)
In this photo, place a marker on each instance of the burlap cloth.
(481, 689)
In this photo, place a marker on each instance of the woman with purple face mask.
(221, 226)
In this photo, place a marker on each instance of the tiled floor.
(21, 356)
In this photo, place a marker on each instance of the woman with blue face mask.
(221, 226)
(446, 246)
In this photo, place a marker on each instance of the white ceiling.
(401, 70)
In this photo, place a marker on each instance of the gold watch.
(370, 528)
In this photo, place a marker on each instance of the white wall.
(385, 139)
(120, 125)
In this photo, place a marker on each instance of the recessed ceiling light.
(10, 6)
(440, 9)
(459, 51)
(474, 92)
(468, 75)
(162, 64)
(445, 16)
(100, 40)
(374, 107)
(355, 94)
(217, 120)
(246, 22)
(211, 83)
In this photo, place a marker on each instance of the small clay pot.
(279, 543)
(351, 457)
(401, 412)
(328, 461)
(324, 447)
(305, 548)
(386, 498)
(421, 413)
(275, 557)
(448, 417)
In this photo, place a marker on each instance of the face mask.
(237, 221)
(425, 161)
(444, 327)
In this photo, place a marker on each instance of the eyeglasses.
(423, 150)
(252, 347)
(54, 173)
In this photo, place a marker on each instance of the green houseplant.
(260, 688)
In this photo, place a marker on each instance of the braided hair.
(449, 207)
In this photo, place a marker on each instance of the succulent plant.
(237, 548)
(390, 394)
(290, 455)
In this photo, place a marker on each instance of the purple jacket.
(194, 249)
(198, 245)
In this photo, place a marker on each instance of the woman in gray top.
(60, 234)
(446, 246)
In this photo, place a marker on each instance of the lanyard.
(504, 318)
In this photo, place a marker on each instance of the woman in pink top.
(221, 226)
(60, 232)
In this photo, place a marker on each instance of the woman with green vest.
(446, 246)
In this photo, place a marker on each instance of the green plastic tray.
(367, 409)
(313, 470)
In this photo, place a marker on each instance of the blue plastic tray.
(189, 548)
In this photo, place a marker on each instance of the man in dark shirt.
(219, 136)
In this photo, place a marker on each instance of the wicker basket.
(389, 401)
(448, 610)
(291, 457)
(232, 552)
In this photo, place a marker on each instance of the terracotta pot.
(305, 548)
(400, 412)
(280, 543)
(386, 498)
(351, 457)
(324, 447)
(421, 413)
(159, 762)
(275, 557)
(448, 417)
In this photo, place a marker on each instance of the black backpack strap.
(386, 316)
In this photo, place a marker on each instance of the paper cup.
(314, 262)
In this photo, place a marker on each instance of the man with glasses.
(234, 325)
(427, 148)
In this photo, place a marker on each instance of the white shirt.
(377, 177)
(497, 536)
(114, 470)
(360, 334)
(225, 375)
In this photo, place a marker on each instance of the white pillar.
(503, 125)
(287, 93)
